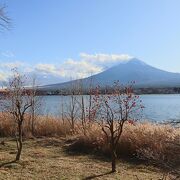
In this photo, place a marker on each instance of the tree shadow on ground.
(7, 163)
(79, 150)
(50, 142)
(98, 175)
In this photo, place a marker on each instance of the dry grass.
(153, 141)
(50, 126)
(45, 158)
(157, 144)
(44, 126)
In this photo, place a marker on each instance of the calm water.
(157, 107)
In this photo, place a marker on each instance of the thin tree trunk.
(113, 148)
(32, 123)
(19, 141)
(113, 160)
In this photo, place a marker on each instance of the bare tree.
(72, 108)
(82, 107)
(36, 104)
(89, 115)
(62, 109)
(17, 103)
(114, 111)
(85, 105)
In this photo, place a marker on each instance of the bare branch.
(4, 19)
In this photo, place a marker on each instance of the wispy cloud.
(8, 54)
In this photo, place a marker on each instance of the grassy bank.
(46, 158)
(57, 151)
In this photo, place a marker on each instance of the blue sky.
(55, 36)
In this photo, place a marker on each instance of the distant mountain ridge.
(132, 70)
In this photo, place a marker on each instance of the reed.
(148, 141)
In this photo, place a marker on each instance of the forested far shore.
(106, 90)
(137, 91)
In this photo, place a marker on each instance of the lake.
(157, 107)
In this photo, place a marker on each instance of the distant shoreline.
(138, 91)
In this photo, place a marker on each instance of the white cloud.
(70, 68)
(3, 76)
(87, 65)
(11, 65)
(81, 68)
(105, 58)
(6, 67)
(49, 69)
(46, 68)
(91, 64)
(28, 69)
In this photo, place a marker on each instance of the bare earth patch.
(45, 158)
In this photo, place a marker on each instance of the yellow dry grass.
(45, 158)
